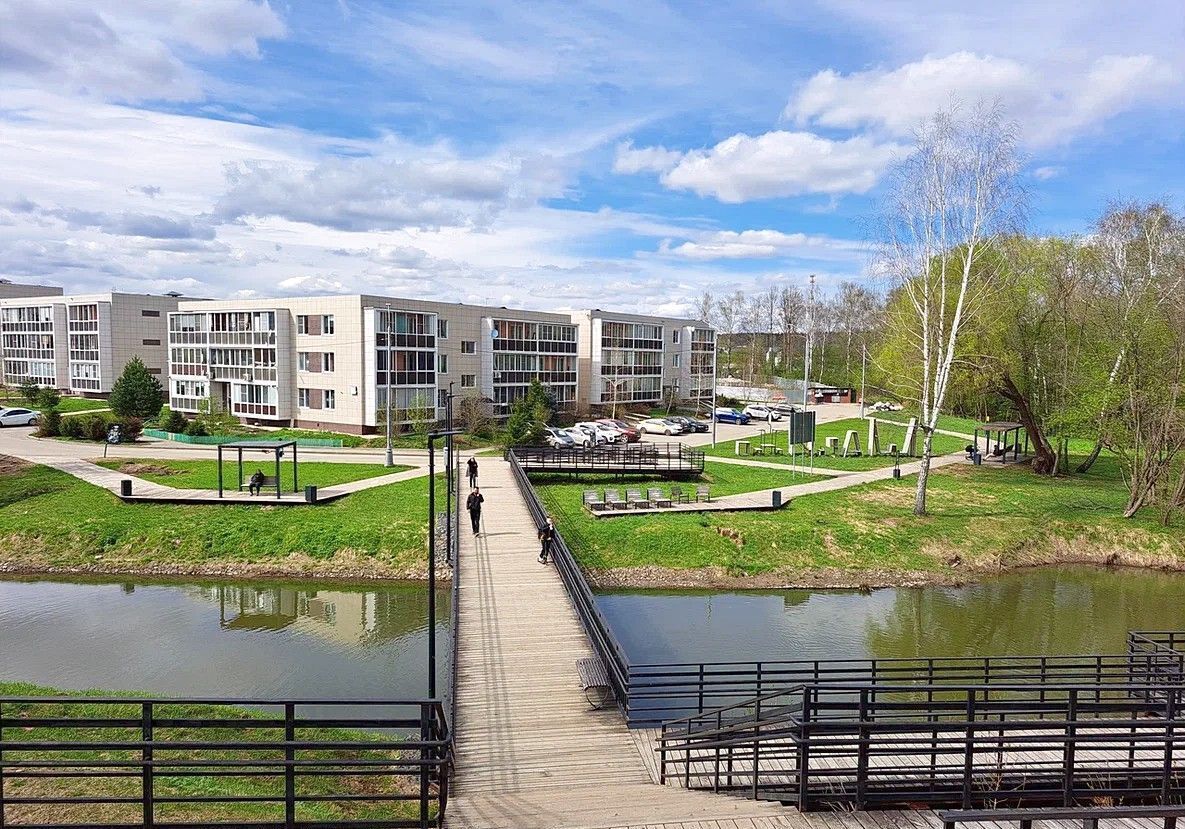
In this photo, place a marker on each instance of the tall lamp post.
(863, 374)
(432, 438)
(449, 454)
(712, 406)
(390, 368)
(810, 342)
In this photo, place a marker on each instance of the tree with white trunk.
(945, 203)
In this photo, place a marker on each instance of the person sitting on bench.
(255, 485)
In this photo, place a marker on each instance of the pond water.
(222, 639)
(1041, 611)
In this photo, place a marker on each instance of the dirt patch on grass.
(782, 579)
(143, 468)
(11, 466)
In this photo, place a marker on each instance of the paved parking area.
(728, 432)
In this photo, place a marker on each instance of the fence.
(214, 440)
(250, 763)
(668, 459)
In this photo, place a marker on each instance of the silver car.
(18, 417)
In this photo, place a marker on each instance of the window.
(154, 371)
(441, 398)
(468, 346)
(468, 381)
(302, 360)
(149, 342)
(442, 328)
(675, 360)
(442, 364)
(302, 398)
(327, 323)
(675, 336)
(302, 324)
(145, 313)
(330, 398)
(327, 361)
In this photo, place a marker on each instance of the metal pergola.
(276, 447)
(1002, 430)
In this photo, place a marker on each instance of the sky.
(611, 154)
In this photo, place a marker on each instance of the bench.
(613, 499)
(593, 501)
(736, 447)
(269, 482)
(1089, 815)
(594, 681)
(657, 498)
(633, 498)
(703, 493)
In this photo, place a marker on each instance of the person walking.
(473, 504)
(546, 540)
(471, 466)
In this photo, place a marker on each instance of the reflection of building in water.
(346, 616)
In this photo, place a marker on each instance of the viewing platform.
(668, 460)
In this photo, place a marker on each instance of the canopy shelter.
(275, 448)
(1006, 437)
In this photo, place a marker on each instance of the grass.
(408, 440)
(69, 405)
(203, 474)
(51, 520)
(980, 518)
(194, 786)
(888, 433)
(949, 423)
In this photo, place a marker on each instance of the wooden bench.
(657, 498)
(1089, 815)
(269, 482)
(594, 681)
(593, 501)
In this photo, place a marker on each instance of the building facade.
(80, 344)
(15, 290)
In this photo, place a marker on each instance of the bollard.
(125, 487)
(896, 473)
(777, 498)
(977, 458)
(310, 494)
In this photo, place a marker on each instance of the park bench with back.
(269, 482)
(613, 499)
(593, 501)
(594, 681)
(703, 493)
(657, 498)
(633, 498)
(678, 496)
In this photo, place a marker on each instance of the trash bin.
(310, 494)
(125, 487)
(977, 458)
(777, 498)
(896, 473)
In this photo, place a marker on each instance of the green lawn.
(981, 518)
(184, 474)
(888, 433)
(165, 786)
(950, 423)
(68, 405)
(465, 442)
(49, 519)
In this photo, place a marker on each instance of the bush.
(137, 393)
(50, 425)
(96, 426)
(30, 391)
(196, 429)
(172, 420)
(49, 398)
(72, 427)
(131, 428)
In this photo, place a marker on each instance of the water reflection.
(1070, 610)
(221, 639)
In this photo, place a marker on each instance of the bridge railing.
(249, 763)
(635, 458)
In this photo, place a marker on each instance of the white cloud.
(775, 164)
(126, 49)
(763, 244)
(1046, 173)
(1051, 107)
(645, 160)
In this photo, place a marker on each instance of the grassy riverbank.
(983, 520)
(165, 786)
(187, 474)
(887, 434)
(53, 522)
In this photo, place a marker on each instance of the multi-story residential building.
(10, 290)
(81, 343)
(328, 362)
(628, 359)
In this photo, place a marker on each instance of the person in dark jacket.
(255, 485)
(473, 504)
(472, 469)
(546, 540)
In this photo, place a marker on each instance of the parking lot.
(824, 413)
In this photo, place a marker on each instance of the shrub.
(49, 398)
(50, 425)
(136, 393)
(172, 420)
(131, 428)
(73, 427)
(196, 429)
(30, 391)
(97, 426)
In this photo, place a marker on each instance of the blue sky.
(610, 154)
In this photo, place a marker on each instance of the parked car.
(659, 426)
(759, 412)
(690, 424)
(783, 409)
(558, 438)
(18, 417)
(581, 437)
(610, 434)
(727, 415)
(885, 406)
(632, 435)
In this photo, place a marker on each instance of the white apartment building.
(10, 290)
(81, 343)
(630, 359)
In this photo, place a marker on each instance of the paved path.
(531, 753)
(817, 470)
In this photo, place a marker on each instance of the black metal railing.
(666, 459)
(862, 746)
(1089, 815)
(251, 763)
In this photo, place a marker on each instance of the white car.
(582, 437)
(610, 434)
(18, 417)
(659, 426)
(758, 412)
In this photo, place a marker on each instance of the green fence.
(214, 440)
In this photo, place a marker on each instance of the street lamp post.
(390, 461)
(712, 406)
(863, 373)
(449, 454)
(810, 342)
(432, 438)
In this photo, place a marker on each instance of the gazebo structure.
(275, 447)
(1006, 436)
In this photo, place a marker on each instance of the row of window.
(316, 398)
(315, 324)
(324, 361)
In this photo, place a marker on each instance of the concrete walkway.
(818, 470)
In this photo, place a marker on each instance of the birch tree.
(945, 202)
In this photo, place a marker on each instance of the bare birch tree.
(729, 310)
(946, 201)
(791, 308)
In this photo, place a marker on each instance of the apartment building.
(330, 362)
(81, 343)
(11, 290)
(628, 359)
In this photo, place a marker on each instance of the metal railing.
(862, 746)
(673, 459)
(247, 763)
